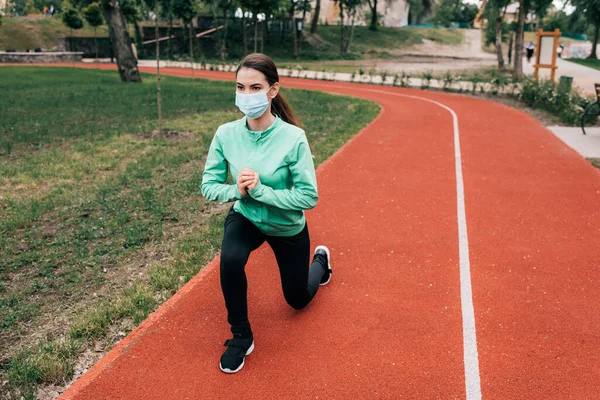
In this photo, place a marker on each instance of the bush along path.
(443, 217)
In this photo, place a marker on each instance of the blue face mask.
(253, 105)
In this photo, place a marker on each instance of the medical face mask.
(253, 105)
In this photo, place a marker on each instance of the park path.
(583, 77)
(392, 323)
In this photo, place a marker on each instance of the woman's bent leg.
(240, 238)
(299, 281)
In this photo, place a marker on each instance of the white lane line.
(470, 355)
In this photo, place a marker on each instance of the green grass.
(586, 62)
(29, 33)
(86, 195)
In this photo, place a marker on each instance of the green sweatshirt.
(283, 160)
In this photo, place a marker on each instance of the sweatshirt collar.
(255, 135)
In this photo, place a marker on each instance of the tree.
(71, 19)
(225, 6)
(591, 10)
(150, 4)
(495, 10)
(373, 7)
(348, 14)
(93, 16)
(556, 20)
(443, 13)
(518, 71)
(167, 7)
(30, 8)
(121, 42)
(315, 17)
(186, 11)
(419, 10)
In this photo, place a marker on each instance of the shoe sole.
(328, 263)
(230, 371)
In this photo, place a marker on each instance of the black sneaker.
(237, 350)
(324, 252)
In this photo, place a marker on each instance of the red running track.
(389, 325)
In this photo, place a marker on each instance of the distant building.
(395, 13)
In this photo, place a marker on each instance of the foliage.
(556, 20)
(71, 18)
(93, 14)
(30, 8)
(448, 11)
(549, 96)
(184, 9)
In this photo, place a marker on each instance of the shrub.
(547, 95)
(426, 80)
(449, 79)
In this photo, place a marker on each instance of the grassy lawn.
(586, 62)
(100, 221)
(27, 33)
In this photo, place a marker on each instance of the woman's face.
(250, 81)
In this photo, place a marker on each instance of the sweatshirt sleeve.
(303, 196)
(215, 175)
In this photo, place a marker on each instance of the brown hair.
(265, 64)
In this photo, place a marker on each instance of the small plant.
(449, 79)
(383, 77)
(404, 79)
(475, 81)
(426, 80)
(361, 72)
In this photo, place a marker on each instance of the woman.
(268, 154)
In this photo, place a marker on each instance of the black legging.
(300, 283)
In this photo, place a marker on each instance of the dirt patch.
(90, 356)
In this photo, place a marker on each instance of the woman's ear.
(275, 90)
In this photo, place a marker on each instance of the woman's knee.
(232, 261)
(296, 300)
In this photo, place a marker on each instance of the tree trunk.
(510, 48)
(499, 18)
(170, 48)
(593, 54)
(255, 32)
(262, 36)
(315, 18)
(294, 34)
(191, 49)
(96, 44)
(342, 30)
(244, 33)
(223, 49)
(121, 42)
(518, 72)
(373, 25)
(158, 102)
(353, 24)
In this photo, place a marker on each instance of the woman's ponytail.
(279, 105)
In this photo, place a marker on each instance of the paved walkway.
(587, 145)
(583, 77)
